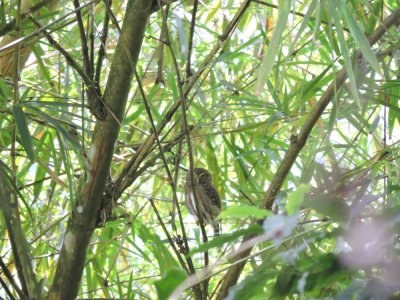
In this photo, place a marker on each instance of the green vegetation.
(292, 106)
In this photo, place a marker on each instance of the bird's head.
(202, 175)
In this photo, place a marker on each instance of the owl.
(207, 198)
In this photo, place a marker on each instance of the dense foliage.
(293, 107)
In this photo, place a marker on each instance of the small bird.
(207, 197)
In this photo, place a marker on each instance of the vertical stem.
(13, 153)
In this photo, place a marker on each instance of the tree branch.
(86, 207)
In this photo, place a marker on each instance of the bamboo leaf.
(345, 51)
(245, 211)
(57, 125)
(273, 47)
(359, 37)
(167, 284)
(22, 125)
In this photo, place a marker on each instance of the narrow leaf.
(374, 124)
(52, 174)
(345, 51)
(296, 198)
(23, 131)
(245, 211)
(359, 37)
(166, 285)
(273, 47)
(304, 23)
(227, 238)
(57, 125)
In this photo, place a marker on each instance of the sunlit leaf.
(359, 37)
(226, 238)
(345, 50)
(24, 133)
(167, 284)
(244, 211)
(273, 47)
(295, 199)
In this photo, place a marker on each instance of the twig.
(84, 44)
(103, 40)
(191, 34)
(10, 278)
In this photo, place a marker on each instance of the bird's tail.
(217, 229)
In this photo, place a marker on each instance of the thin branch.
(103, 40)
(191, 35)
(186, 129)
(160, 64)
(90, 32)
(10, 278)
(160, 149)
(85, 51)
(175, 205)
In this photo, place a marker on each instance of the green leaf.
(5, 91)
(45, 142)
(374, 124)
(245, 211)
(311, 8)
(345, 50)
(376, 12)
(227, 238)
(43, 69)
(274, 45)
(169, 282)
(329, 205)
(359, 37)
(57, 125)
(6, 170)
(286, 281)
(163, 255)
(295, 199)
(23, 131)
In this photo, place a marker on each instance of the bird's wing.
(212, 193)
